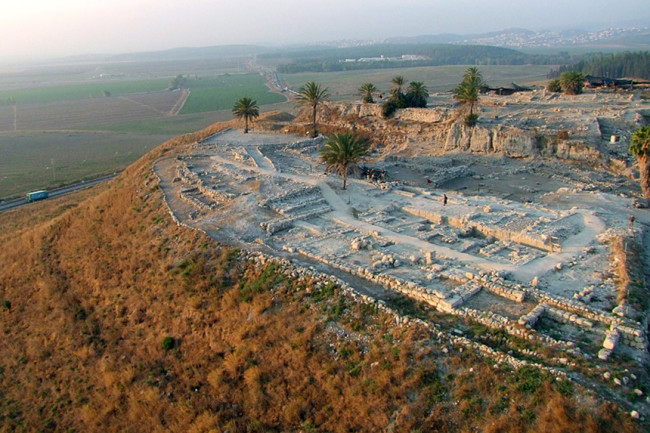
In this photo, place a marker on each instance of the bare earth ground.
(514, 235)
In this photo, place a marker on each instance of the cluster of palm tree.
(416, 96)
(467, 93)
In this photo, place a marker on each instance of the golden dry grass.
(627, 256)
(95, 283)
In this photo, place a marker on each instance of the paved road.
(11, 204)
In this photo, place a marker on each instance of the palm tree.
(312, 94)
(341, 152)
(366, 90)
(246, 108)
(640, 147)
(467, 91)
(398, 81)
(396, 93)
(417, 94)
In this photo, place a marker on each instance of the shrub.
(563, 134)
(269, 278)
(554, 86)
(6, 305)
(572, 82)
(168, 343)
(324, 292)
(388, 108)
(471, 119)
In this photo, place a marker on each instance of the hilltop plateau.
(225, 283)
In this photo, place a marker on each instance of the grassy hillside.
(113, 318)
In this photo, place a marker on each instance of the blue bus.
(36, 195)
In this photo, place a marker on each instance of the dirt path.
(180, 103)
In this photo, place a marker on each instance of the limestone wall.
(441, 127)
(499, 233)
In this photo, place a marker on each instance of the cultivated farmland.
(221, 93)
(89, 113)
(59, 134)
(87, 89)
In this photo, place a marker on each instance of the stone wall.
(499, 233)
(441, 127)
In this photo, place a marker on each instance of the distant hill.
(631, 38)
(193, 53)
(175, 54)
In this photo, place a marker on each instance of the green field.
(344, 85)
(41, 161)
(221, 93)
(82, 90)
(59, 134)
(34, 160)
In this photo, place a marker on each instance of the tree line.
(627, 64)
(330, 60)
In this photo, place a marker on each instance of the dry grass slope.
(90, 289)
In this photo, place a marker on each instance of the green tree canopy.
(417, 94)
(467, 92)
(572, 82)
(341, 152)
(246, 108)
(177, 82)
(554, 86)
(312, 94)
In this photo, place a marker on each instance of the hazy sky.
(51, 28)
